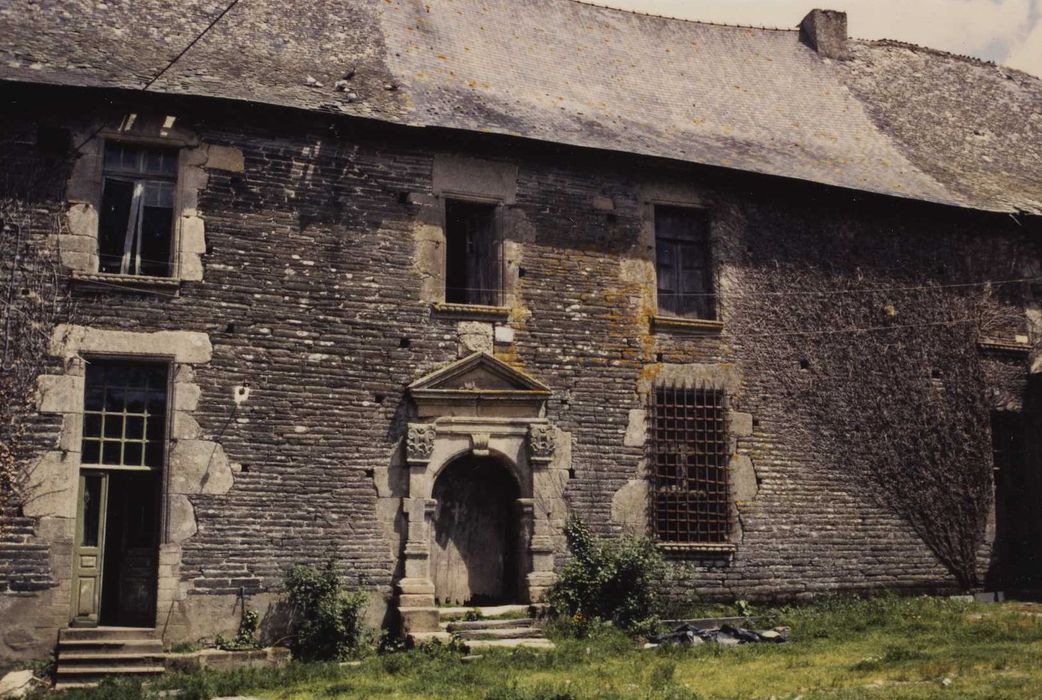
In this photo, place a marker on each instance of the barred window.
(688, 465)
(124, 414)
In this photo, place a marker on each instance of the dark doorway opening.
(1014, 553)
(475, 541)
(128, 591)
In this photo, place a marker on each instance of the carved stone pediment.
(479, 385)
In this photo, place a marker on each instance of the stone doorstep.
(536, 643)
(490, 612)
(495, 623)
(500, 633)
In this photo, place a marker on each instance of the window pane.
(113, 426)
(112, 452)
(161, 161)
(133, 408)
(92, 490)
(91, 425)
(156, 226)
(682, 262)
(132, 453)
(472, 272)
(91, 452)
(135, 428)
(112, 227)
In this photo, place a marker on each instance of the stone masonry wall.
(311, 298)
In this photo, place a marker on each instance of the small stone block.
(504, 335)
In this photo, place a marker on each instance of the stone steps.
(86, 655)
(500, 626)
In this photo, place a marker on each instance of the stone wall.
(315, 299)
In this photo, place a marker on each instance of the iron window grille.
(683, 265)
(125, 414)
(688, 465)
(136, 227)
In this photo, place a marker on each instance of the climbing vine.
(873, 356)
(32, 301)
(34, 294)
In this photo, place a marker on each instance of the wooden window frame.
(101, 439)
(130, 266)
(694, 304)
(493, 295)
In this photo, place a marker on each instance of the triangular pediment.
(479, 373)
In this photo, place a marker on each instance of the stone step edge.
(107, 670)
(539, 644)
(457, 625)
(508, 633)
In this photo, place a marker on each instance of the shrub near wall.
(328, 621)
(614, 580)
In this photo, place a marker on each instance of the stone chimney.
(825, 31)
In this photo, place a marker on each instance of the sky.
(1005, 31)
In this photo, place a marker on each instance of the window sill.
(695, 326)
(472, 312)
(127, 283)
(697, 547)
(1003, 346)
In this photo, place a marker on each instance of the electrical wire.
(168, 66)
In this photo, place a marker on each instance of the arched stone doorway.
(484, 493)
(475, 533)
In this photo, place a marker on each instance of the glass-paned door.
(88, 558)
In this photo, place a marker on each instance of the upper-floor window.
(688, 458)
(682, 262)
(473, 258)
(125, 414)
(136, 230)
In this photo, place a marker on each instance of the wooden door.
(88, 554)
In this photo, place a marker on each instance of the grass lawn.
(884, 648)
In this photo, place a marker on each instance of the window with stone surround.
(683, 264)
(473, 254)
(125, 414)
(136, 222)
(688, 465)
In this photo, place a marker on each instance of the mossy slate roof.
(894, 119)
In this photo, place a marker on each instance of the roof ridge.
(941, 52)
(590, 3)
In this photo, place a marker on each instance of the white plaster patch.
(636, 428)
(629, 507)
(199, 467)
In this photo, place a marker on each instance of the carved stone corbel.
(419, 443)
(541, 443)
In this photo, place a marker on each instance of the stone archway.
(479, 411)
(475, 534)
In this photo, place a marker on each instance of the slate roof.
(894, 119)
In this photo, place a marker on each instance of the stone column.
(541, 445)
(416, 590)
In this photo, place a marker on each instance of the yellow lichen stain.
(648, 374)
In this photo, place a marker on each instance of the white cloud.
(1006, 30)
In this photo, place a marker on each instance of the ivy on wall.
(871, 342)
